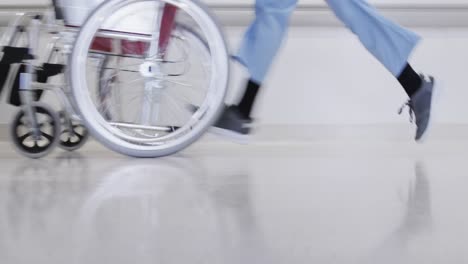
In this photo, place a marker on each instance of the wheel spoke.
(24, 137)
(49, 137)
(75, 132)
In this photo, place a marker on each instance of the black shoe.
(421, 105)
(233, 125)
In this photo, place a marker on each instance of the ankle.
(247, 102)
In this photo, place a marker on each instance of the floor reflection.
(38, 201)
(230, 210)
(169, 211)
(416, 221)
(241, 235)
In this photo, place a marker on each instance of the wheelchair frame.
(63, 37)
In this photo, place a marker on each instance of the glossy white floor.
(219, 203)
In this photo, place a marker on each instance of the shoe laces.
(408, 105)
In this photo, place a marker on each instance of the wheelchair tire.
(49, 128)
(177, 139)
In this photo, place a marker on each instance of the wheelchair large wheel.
(151, 89)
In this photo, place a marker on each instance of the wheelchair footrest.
(43, 74)
(15, 55)
(4, 71)
(11, 55)
(49, 70)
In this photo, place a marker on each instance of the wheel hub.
(149, 69)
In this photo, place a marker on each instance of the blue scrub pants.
(388, 42)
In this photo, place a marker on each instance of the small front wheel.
(35, 142)
(73, 135)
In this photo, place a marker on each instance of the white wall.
(324, 76)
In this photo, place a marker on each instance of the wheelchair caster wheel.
(23, 136)
(74, 134)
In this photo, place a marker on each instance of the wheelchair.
(145, 78)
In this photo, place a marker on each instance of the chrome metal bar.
(26, 78)
(10, 34)
(124, 35)
(59, 91)
(51, 49)
(47, 86)
(134, 126)
(114, 34)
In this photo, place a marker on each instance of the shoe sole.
(436, 94)
(230, 135)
